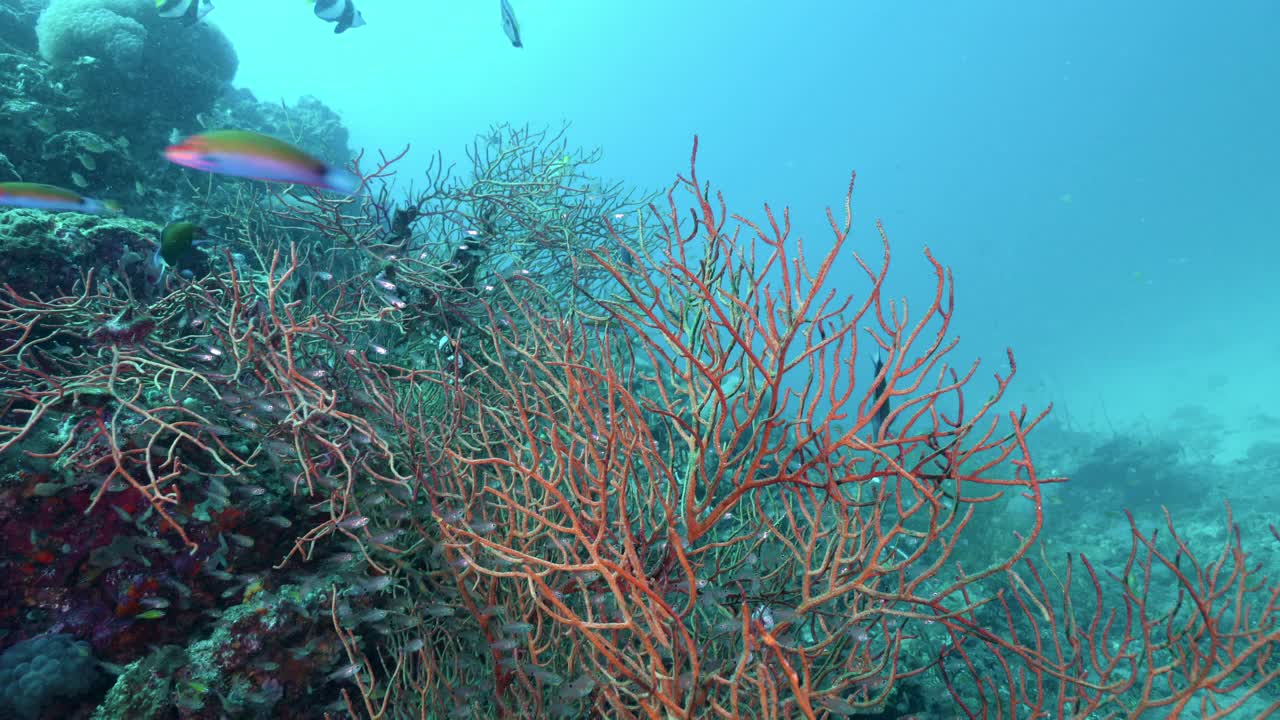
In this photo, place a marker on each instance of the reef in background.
(89, 102)
(89, 109)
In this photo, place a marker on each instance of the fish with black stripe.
(190, 11)
(341, 12)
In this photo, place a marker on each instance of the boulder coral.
(129, 61)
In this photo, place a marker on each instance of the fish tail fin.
(343, 180)
(159, 267)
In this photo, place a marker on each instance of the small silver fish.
(345, 672)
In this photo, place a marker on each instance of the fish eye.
(209, 159)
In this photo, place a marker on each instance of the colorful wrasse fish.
(246, 154)
(191, 11)
(38, 196)
(341, 12)
(510, 26)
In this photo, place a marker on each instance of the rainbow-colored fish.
(246, 154)
(39, 196)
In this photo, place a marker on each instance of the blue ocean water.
(1100, 177)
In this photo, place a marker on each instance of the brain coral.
(150, 64)
(104, 29)
(36, 672)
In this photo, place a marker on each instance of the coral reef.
(114, 83)
(17, 25)
(522, 443)
(133, 66)
(255, 662)
(43, 672)
(98, 125)
(49, 253)
(309, 123)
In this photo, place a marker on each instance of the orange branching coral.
(687, 494)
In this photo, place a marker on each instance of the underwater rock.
(48, 253)
(72, 157)
(17, 23)
(255, 663)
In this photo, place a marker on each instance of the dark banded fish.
(341, 12)
(877, 392)
(190, 11)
